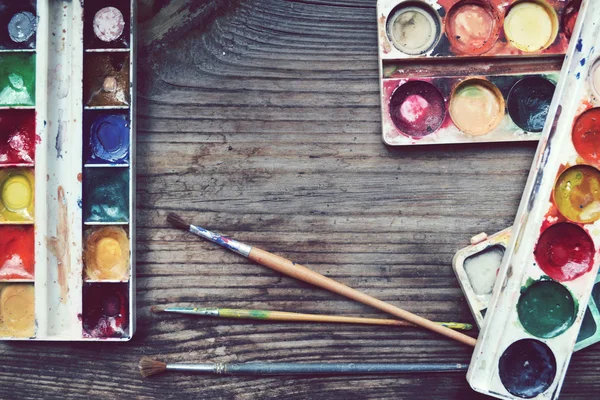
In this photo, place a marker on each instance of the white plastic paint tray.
(82, 220)
(551, 263)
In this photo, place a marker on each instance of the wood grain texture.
(261, 119)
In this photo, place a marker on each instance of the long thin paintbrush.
(307, 275)
(149, 367)
(291, 316)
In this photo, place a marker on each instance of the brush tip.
(177, 221)
(149, 367)
(158, 309)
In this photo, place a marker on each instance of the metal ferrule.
(202, 368)
(210, 312)
(231, 244)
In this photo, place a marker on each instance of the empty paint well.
(16, 194)
(106, 82)
(417, 108)
(106, 254)
(546, 309)
(527, 368)
(17, 137)
(472, 27)
(482, 269)
(17, 317)
(107, 137)
(577, 194)
(105, 310)
(414, 27)
(531, 25)
(564, 251)
(476, 106)
(17, 79)
(106, 24)
(588, 327)
(18, 24)
(106, 195)
(529, 101)
(586, 134)
(16, 252)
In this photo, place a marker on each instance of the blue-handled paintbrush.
(149, 367)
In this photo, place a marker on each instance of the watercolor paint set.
(67, 170)
(476, 268)
(431, 93)
(550, 266)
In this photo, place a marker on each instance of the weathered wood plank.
(260, 119)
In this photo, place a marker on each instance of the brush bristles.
(178, 222)
(149, 367)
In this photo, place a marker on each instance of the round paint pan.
(414, 27)
(586, 135)
(17, 317)
(106, 254)
(476, 106)
(564, 252)
(109, 24)
(16, 194)
(546, 309)
(109, 137)
(529, 101)
(472, 27)
(417, 108)
(577, 194)
(531, 25)
(527, 368)
(570, 17)
(22, 26)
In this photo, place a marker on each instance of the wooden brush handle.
(304, 274)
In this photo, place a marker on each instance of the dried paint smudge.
(59, 245)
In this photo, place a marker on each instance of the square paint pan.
(67, 170)
(476, 268)
(551, 263)
(409, 29)
(437, 110)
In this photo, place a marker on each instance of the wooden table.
(261, 119)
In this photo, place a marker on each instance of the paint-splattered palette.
(476, 268)
(421, 40)
(67, 170)
(550, 266)
(467, 28)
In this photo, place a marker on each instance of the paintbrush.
(307, 275)
(149, 367)
(266, 315)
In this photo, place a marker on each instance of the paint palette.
(476, 268)
(488, 108)
(67, 170)
(431, 95)
(550, 267)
